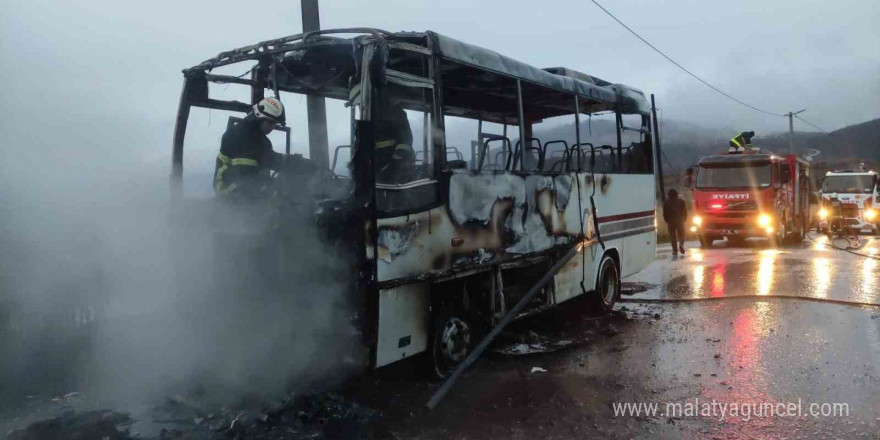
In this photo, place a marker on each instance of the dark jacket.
(245, 158)
(675, 211)
(394, 152)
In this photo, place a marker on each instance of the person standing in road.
(675, 215)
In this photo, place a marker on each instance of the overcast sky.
(107, 73)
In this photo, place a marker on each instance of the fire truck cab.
(751, 194)
(858, 193)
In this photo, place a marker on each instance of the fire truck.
(857, 195)
(751, 194)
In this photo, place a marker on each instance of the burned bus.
(443, 247)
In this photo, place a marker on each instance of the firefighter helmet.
(270, 109)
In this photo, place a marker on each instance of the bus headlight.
(870, 214)
(764, 220)
(823, 213)
(698, 221)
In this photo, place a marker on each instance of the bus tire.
(607, 290)
(453, 337)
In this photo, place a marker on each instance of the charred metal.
(472, 234)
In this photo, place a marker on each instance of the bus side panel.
(488, 217)
(640, 252)
(567, 283)
(403, 322)
(625, 207)
(578, 221)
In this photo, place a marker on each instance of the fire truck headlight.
(823, 213)
(870, 214)
(764, 220)
(698, 221)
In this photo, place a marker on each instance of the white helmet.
(270, 109)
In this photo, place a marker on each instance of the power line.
(680, 66)
(812, 125)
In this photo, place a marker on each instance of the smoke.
(110, 289)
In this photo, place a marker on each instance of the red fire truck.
(751, 194)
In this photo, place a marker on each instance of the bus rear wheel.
(452, 339)
(607, 286)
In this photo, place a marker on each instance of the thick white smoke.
(108, 288)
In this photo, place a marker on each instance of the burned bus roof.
(627, 99)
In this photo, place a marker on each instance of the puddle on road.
(806, 272)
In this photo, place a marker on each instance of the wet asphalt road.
(743, 349)
(813, 269)
(739, 351)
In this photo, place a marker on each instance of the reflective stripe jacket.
(742, 140)
(245, 158)
(394, 152)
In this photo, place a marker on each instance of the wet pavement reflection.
(811, 269)
(751, 351)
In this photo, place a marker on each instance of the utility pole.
(791, 129)
(317, 111)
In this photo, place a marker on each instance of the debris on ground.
(610, 331)
(321, 416)
(100, 425)
(633, 287)
(619, 348)
(324, 416)
(538, 370)
(535, 348)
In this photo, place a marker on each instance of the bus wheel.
(452, 339)
(607, 286)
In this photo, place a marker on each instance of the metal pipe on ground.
(441, 392)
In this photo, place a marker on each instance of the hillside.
(854, 143)
(684, 143)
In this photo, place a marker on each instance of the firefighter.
(241, 170)
(741, 142)
(675, 215)
(395, 158)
